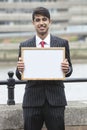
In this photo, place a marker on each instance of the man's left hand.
(65, 66)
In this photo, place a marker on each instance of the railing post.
(11, 84)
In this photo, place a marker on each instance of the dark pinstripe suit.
(51, 93)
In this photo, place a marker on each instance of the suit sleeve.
(18, 74)
(67, 55)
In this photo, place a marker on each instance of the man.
(44, 101)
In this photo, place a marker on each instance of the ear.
(50, 21)
(33, 22)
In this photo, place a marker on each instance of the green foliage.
(73, 38)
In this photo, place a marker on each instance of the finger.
(20, 64)
(65, 64)
(20, 67)
(65, 60)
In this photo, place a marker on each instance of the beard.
(43, 32)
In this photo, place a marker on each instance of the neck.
(43, 36)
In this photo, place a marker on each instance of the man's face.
(41, 24)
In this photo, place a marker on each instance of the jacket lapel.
(32, 43)
(53, 42)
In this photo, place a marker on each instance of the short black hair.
(42, 11)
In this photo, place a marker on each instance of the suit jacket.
(36, 92)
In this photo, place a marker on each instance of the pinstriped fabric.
(35, 116)
(56, 95)
(45, 100)
(34, 96)
(33, 119)
(54, 118)
(36, 92)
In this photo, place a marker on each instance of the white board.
(43, 63)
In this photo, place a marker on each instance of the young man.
(44, 101)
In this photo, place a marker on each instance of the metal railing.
(11, 82)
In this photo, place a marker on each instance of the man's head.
(41, 21)
(41, 11)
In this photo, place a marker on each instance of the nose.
(41, 21)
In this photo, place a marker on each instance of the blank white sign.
(43, 63)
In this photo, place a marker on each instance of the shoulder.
(59, 39)
(27, 42)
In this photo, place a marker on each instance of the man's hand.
(65, 66)
(20, 65)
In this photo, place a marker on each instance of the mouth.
(42, 28)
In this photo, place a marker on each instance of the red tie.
(42, 43)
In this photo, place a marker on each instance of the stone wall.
(11, 117)
(9, 52)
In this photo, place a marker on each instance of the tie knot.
(42, 43)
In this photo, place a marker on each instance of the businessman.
(44, 100)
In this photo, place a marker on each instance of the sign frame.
(43, 63)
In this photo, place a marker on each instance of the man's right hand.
(20, 65)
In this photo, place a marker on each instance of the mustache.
(42, 25)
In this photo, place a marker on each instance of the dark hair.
(42, 11)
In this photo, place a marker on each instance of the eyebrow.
(38, 19)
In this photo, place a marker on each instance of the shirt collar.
(46, 40)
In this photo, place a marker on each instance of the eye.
(37, 20)
(44, 19)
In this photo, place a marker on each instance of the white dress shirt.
(46, 40)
